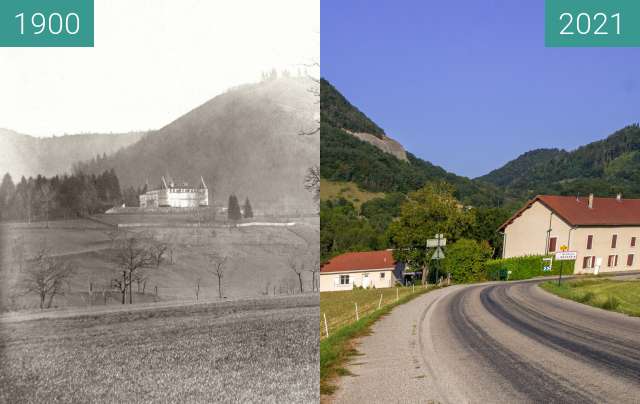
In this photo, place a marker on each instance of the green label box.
(590, 23)
(46, 23)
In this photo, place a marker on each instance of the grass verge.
(336, 350)
(608, 294)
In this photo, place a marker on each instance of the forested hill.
(245, 141)
(605, 167)
(346, 158)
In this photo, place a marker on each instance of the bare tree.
(217, 268)
(298, 268)
(131, 256)
(315, 270)
(197, 289)
(46, 276)
(157, 249)
(312, 182)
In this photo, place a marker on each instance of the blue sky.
(469, 85)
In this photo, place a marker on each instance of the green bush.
(525, 267)
(465, 260)
(611, 303)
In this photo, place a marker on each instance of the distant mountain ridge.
(24, 155)
(605, 167)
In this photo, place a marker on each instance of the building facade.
(173, 195)
(604, 232)
(371, 269)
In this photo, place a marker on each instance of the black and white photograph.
(159, 207)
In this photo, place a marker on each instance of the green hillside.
(605, 167)
(344, 157)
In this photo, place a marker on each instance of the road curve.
(498, 343)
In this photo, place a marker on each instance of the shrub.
(465, 260)
(525, 267)
(611, 303)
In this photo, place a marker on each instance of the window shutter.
(589, 242)
(552, 244)
(630, 260)
(614, 240)
(585, 262)
(615, 261)
(610, 261)
(633, 241)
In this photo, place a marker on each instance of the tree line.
(66, 196)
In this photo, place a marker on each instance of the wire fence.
(340, 309)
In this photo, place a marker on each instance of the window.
(589, 241)
(633, 241)
(630, 260)
(344, 279)
(586, 262)
(613, 261)
(552, 244)
(614, 240)
(381, 275)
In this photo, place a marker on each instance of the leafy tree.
(465, 260)
(7, 190)
(428, 211)
(248, 211)
(233, 209)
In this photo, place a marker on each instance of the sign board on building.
(566, 255)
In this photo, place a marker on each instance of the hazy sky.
(153, 61)
(469, 84)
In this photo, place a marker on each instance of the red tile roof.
(359, 261)
(576, 212)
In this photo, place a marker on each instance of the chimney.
(590, 201)
(619, 197)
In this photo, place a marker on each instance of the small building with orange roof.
(369, 269)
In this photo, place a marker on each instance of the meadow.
(257, 264)
(622, 296)
(223, 352)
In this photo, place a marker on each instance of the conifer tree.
(233, 210)
(248, 211)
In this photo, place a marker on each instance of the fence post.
(380, 302)
(396, 294)
(357, 317)
(413, 287)
(326, 326)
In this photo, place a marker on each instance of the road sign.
(564, 248)
(547, 264)
(438, 241)
(566, 255)
(438, 255)
(432, 243)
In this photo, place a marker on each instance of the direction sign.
(432, 242)
(438, 241)
(438, 255)
(566, 255)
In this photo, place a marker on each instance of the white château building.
(175, 195)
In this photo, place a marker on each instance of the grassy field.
(608, 294)
(339, 347)
(339, 307)
(347, 190)
(257, 263)
(264, 351)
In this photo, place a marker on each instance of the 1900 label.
(46, 23)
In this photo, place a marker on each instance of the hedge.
(526, 267)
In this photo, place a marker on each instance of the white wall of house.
(601, 247)
(527, 235)
(370, 278)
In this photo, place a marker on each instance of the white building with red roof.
(370, 269)
(603, 231)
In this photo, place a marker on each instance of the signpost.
(562, 256)
(438, 242)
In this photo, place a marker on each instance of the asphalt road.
(497, 343)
